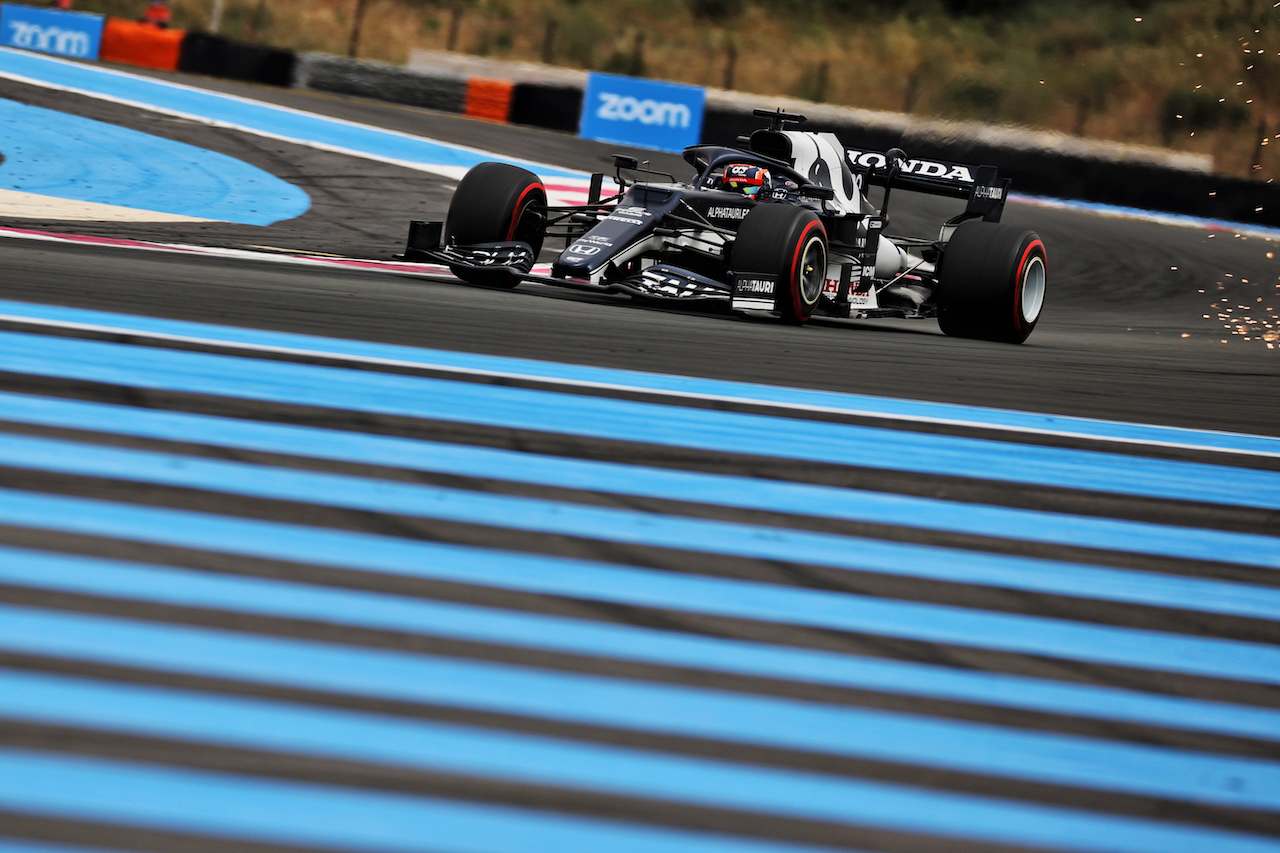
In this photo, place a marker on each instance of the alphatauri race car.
(779, 223)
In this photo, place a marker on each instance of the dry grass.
(1088, 67)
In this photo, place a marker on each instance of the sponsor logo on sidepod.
(728, 212)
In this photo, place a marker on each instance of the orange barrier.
(488, 99)
(143, 45)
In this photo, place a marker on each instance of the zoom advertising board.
(645, 113)
(72, 34)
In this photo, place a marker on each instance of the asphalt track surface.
(277, 596)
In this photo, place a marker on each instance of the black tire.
(991, 284)
(495, 203)
(790, 243)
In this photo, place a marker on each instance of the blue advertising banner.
(646, 113)
(74, 34)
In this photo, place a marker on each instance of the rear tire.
(496, 203)
(991, 284)
(791, 244)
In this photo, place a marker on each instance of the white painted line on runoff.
(21, 205)
(219, 252)
(658, 385)
(301, 259)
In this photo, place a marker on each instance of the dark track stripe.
(575, 415)
(721, 490)
(633, 450)
(671, 709)
(661, 531)
(624, 642)
(16, 845)
(13, 845)
(240, 807)
(343, 818)
(445, 748)
(1214, 658)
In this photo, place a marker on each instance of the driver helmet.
(750, 181)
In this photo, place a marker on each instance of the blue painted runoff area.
(254, 116)
(57, 154)
(330, 817)
(603, 418)
(527, 759)
(616, 478)
(244, 808)
(934, 623)
(748, 541)
(694, 387)
(182, 587)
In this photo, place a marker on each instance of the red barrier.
(488, 99)
(144, 45)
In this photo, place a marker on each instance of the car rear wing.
(981, 186)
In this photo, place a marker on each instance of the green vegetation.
(1194, 75)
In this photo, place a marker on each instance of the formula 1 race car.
(778, 223)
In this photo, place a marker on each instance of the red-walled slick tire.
(496, 203)
(991, 283)
(788, 243)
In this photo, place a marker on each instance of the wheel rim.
(528, 224)
(813, 271)
(1032, 286)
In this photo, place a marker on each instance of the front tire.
(790, 244)
(496, 203)
(991, 284)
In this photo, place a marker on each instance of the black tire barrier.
(203, 53)
(379, 80)
(263, 65)
(216, 56)
(546, 105)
